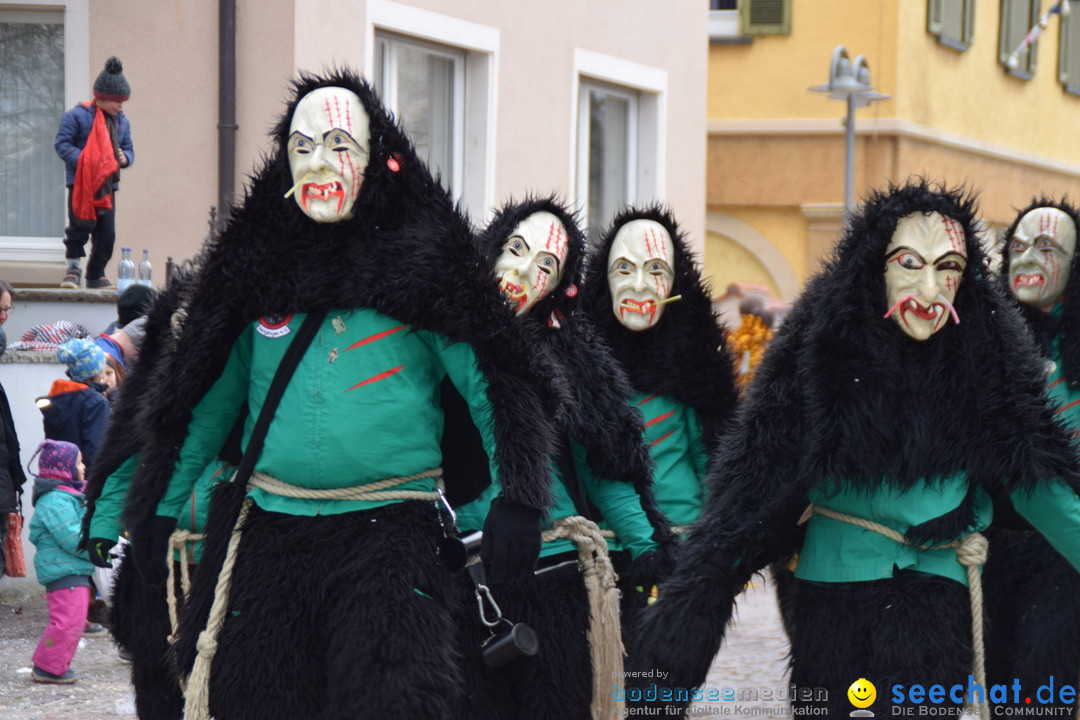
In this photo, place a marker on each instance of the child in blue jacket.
(61, 567)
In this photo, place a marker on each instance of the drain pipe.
(226, 106)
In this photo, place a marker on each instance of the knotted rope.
(971, 552)
(197, 690)
(605, 634)
(178, 541)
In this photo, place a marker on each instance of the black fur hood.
(407, 252)
(1066, 327)
(597, 412)
(684, 356)
(860, 402)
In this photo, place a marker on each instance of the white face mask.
(640, 273)
(923, 266)
(532, 259)
(1040, 256)
(328, 152)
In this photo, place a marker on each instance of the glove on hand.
(652, 567)
(511, 540)
(99, 551)
(150, 548)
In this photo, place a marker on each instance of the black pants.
(102, 235)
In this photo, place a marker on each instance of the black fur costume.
(1032, 593)
(558, 682)
(843, 393)
(315, 639)
(138, 613)
(684, 356)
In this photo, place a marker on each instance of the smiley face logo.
(862, 693)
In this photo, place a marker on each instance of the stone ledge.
(107, 295)
(29, 356)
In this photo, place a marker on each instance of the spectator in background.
(749, 341)
(130, 305)
(7, 297)
(94, 141)
(121, 346)
(11, 472)
(76, 409)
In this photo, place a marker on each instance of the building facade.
(959, 111)
(603, 105)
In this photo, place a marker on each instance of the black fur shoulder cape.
(124, 435)
(1066, 327)
(684, 356)
(843, 394)
(408, 252)
(596, 411)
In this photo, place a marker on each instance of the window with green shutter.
(765, 17)
(1017, 18)
(1069, 56)
(952, 22)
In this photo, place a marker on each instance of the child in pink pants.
(61, 567)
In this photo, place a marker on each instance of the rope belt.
(178, 541)
(971, 552)
(675, 529)
(197, 690)
(605, 635)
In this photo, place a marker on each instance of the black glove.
(652, 567)
(150, 548)
(99, 551)
(511, 540)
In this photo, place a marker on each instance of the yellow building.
(958, 112)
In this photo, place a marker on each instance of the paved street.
(753, 658)
(102, 692)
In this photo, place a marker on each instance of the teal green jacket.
(109, 507)
(193, 517)
(674, 436)
(107, 511)
(836, 551)
(328, 431)
(55, 528)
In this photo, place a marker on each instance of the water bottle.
(144, 269)
(125, 274)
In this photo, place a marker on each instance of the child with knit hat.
(61, 567)
(94, 141)
(76, 408)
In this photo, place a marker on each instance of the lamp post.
(849, 81)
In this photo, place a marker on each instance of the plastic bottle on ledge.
(125, 273)
(145, 269)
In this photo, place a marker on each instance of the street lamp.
(849, 81)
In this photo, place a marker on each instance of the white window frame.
(20, 248)
(647, 178)
(391, 42)
(480, 43)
